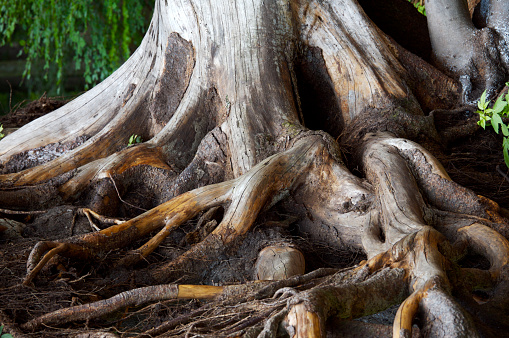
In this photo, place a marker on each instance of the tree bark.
(223, 95)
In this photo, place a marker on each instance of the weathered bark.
(215, 89)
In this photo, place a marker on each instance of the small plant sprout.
(493, 117)
(1, 135)
(134, 139)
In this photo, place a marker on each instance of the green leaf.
(505, 130)
(134, 139)
(5, 335)
(496, 120)
(499, 105)
(482, 104)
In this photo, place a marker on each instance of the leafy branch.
(493, 117)
(96, 35)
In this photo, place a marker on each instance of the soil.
(31, 111)
(474, 161)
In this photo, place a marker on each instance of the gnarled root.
(134, 297)
(244, 198)
(412, 263)
(230, 294)
(415, 269)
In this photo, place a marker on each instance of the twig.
(166, 326)
(10, 95)
(504, 175)
(80, 279)
(16, 212)
(120, 198)
(89, 213)
(73, 222)
(247, 322)
(92, 224)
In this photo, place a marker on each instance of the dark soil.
(472, 161)
(31, 111)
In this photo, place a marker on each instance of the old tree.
(273, 124)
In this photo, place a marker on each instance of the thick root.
(169, 215)
(134, 297)
(247, 195)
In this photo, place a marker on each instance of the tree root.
(414, 263)
(178, 97)
(246, 297)
(415, 270)
(416, 266)
(134, 297)
(170, 215)
(89, 214)
(246, 196)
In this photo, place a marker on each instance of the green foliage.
(419, 5)
(96, 35)
(133, 140)
(5, 335)
(493, 117)
(1, 137)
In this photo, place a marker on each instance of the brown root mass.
(305, 128)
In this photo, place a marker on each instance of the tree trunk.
(228, 99)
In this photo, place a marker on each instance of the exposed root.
(304, 323)
(169, 214)
(18, 212)
(36, 263)
(247, 195)
(89, 213)
(114, 164)
(442, 315)
(488, 243)
(416, 266)
(279, 262)
(134, 297)
(405, 316)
